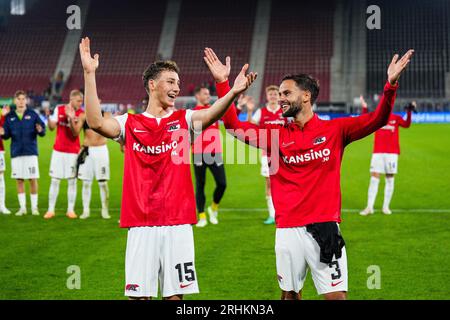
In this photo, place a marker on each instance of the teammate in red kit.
(270, 114)
(207, 154)
(385, 158)
(306, 157)
(158, 203)
(68, 121)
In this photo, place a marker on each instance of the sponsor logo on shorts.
(280, 278)
(182, 286)
(334, 284)
(132, 287)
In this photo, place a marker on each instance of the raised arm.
(359, 127)
(202, 119)
(107, 127)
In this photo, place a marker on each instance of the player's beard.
(293, 109)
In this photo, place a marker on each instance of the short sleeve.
(54, 116)
(122, 119)
(193, 133)
(256, 118)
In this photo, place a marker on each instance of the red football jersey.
(208, 142)
(157, 183)
(65, 141)
(387, 138)
(306, 162)
(265, 116)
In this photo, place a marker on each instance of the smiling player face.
(290, 98)
(166, 88)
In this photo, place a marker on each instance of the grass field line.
(428, 210)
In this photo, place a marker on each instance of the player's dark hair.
(306, 83)
(199, 88)
(19, 93)
(154, 70)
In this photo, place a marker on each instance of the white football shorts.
(296, 251)
(63, 165)
(384, 163)
(164, 253)
(96, 164)
(25, 167)
(2, 161)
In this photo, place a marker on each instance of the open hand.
(243, 81)
(397, 66)
(219, 71)
(89, 64)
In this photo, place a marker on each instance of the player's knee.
(174, 297)
(139, 298)
(375, 174)
(290, 295)
(341, 295)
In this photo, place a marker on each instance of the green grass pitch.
(235, 259)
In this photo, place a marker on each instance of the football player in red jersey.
(68, 120)
(306, 157)
(158, 203)
(207, 154)
(385, 158)
(269, 114)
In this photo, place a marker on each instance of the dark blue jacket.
(23, 133)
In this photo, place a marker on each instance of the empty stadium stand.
(422, 25)
(30, 45)
(228, 32)
(126, 35)
(300, 41)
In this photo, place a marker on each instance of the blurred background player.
(68, 120)
(385, 157)
(22, 126)
(3, 208)
(207, 154)
(269, 114)
(93, 162)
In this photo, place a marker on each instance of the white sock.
(22, 201)
(53, 194)
(388, 192)
(86, 195)
(104, 194)
(2, 190)
(34, 201)
(71, 194)
(270, 206)
(373, 190)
